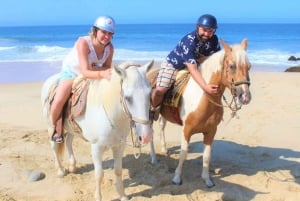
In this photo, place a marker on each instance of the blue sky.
(62, 12)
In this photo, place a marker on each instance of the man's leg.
(166, 77)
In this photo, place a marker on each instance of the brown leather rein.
(133, 120)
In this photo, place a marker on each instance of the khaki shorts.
(166, 75)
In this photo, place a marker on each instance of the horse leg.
(72, 160)
(183, 154)
(58, 150)
(97, 160)
(208, 139)
(162, 125)
(118, 155)
(153, 153)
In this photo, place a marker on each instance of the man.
(191, 51)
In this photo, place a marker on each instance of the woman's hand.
(105, 73)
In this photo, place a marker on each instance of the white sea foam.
(268, 57)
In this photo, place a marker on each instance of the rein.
(236, 106)
(133, 121)
(233, 105)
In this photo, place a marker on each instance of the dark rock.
(293, 69)
(293, 58)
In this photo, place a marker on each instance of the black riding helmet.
(207, 21)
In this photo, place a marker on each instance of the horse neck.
(212, 68)
(106, 92)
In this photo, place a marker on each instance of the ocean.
(36, 49)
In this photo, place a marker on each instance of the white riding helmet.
(106, 23)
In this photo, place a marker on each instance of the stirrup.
(154, 112)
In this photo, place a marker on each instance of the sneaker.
(57, 138)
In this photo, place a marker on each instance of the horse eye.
(128, 99)
(232, 67)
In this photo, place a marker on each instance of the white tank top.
(71, 62)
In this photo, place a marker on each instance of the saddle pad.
(171, 103)
(172, 100)
(79, 96)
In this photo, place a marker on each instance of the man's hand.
(212, 89)
(201, 59)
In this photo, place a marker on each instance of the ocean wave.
(6, 48)
(270, 57)
(30, 53)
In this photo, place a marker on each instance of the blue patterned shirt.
(190, 48)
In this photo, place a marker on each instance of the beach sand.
(255, 156)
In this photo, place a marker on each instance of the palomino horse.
(200, 112)
(113, 109)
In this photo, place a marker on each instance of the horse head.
(135, 97)
(235, 74)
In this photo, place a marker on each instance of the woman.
(91, 56)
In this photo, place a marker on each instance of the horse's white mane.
(240, 54)
(215, 62)
(107, 91)
(212, 64)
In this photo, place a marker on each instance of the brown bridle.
(232, 105)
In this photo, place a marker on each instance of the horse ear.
(120, 70)
(225, 46)
(244, 43)
(146, 68)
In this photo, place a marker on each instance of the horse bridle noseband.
(133, 120)
(233, 105)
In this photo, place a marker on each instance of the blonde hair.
(93, 32)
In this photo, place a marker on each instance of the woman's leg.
(63, 92)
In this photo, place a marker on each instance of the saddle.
(74, 107)
(171, 104)
(77, 102)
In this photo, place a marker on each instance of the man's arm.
(211, 89)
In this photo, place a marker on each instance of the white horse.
(201, 113)
(113, 109)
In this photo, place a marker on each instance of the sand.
(255, 156)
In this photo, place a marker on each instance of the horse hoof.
(177, 182)
(124, 198)
(72, 169)
(165, 152)
(209, 184)
(154, 161)
(61, 174)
